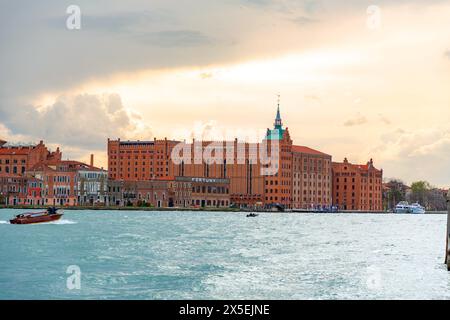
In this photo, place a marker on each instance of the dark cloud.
(40, 55)
(82, 121)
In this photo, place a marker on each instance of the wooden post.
(447, 244)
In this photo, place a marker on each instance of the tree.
(431, 198)
(419, 192)
(395, 191)
(436, 200)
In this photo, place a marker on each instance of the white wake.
(62, 221)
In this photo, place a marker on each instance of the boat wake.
(4, 222)
(62, 221)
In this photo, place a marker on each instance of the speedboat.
(405, 207)
(37, 217)
(252, 215)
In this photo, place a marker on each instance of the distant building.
(13, 189)
(311, 178)
(140, 160)
(92, 185)
(205, 192)
(18, 159)
(151, 193)
(302, 178)
(180, 192)
(278, 187)
(357, 187)
(60, 182)
(35, 192)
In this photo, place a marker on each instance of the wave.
(62, 221)
(4, 222)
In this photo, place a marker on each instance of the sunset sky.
(145, 69)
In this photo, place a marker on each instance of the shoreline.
(206, 209)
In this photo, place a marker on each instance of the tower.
(277, 132)
(278, 124)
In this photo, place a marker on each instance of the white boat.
(417, 208)
(405, 207)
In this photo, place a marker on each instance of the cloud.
(421, 154)
(84, 121)
(176, 38)
(447, 54)
(358, 120)
(206, 75)
(383, 119)
(304, 21)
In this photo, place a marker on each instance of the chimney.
(92, 160)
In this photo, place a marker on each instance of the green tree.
(419, 192)
(395, 191)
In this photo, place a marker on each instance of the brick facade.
(357, 187)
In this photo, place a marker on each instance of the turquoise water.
(214, 255)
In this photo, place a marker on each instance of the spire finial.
(278, 124)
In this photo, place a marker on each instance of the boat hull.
(39, 219)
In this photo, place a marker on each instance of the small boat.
(405, 207)
(417, 208)
(402, 207)
(37, 217)
(252, 215)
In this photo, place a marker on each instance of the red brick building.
(357, 187)
(293, 183)
(18, 159)
(311, 178)
(140, 160)
(278, 187)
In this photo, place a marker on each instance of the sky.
(357, 79)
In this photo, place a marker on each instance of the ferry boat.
(37, 217)
(405, 207)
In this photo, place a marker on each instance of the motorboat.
(37, 217)
(417, 208)
(402, 207)
(252, 215)
(405, 207)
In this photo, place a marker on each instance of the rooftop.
(307, 150)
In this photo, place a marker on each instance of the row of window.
(14, 169)
(15, 161)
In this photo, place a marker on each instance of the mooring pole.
(447, 243)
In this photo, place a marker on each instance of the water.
(216, 255)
